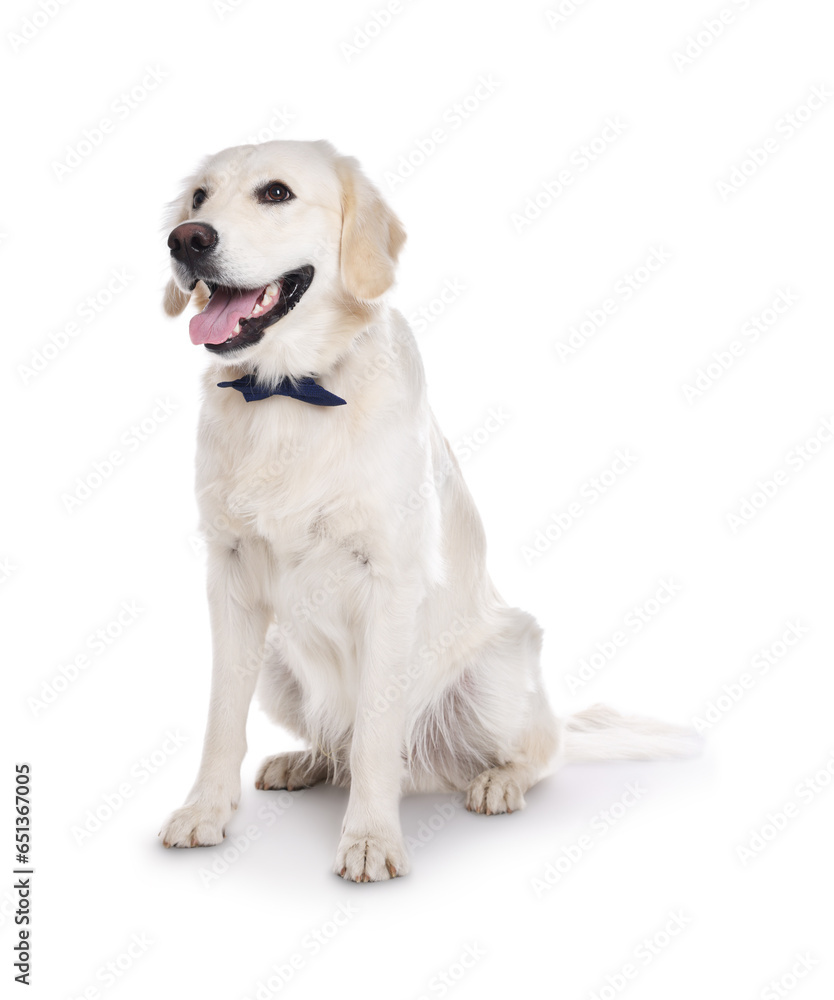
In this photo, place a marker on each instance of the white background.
(281, 70)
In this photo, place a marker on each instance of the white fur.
(346, 564)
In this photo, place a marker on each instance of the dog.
(346, 557)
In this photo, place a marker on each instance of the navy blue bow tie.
(305, 389)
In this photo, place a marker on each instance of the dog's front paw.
(196, 825)
(370, 857)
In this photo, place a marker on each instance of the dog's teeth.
(266, 300)
(257, 310)
(271, 290)
(236, 329)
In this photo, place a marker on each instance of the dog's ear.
(371, 235)
(175, 299)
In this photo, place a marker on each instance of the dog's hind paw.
(290, 770)
(494, 791)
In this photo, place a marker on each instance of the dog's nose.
(191, 240)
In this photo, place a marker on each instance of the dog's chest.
(291, 476)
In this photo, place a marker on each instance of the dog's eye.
(276, 191)
(199, 197)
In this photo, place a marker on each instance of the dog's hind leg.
(501, 789)
(296, 769)
(282, 698)
(491, 733)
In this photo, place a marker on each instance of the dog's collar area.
(305, 389)
(249, 330)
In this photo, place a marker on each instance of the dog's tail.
(600, 733)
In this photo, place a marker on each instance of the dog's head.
(260, 231)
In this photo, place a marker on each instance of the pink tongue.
(216, 323)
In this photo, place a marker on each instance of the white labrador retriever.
(345, 554)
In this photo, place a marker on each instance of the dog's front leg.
(238, 623)
(372, 847)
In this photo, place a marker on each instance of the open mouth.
(236, 318)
